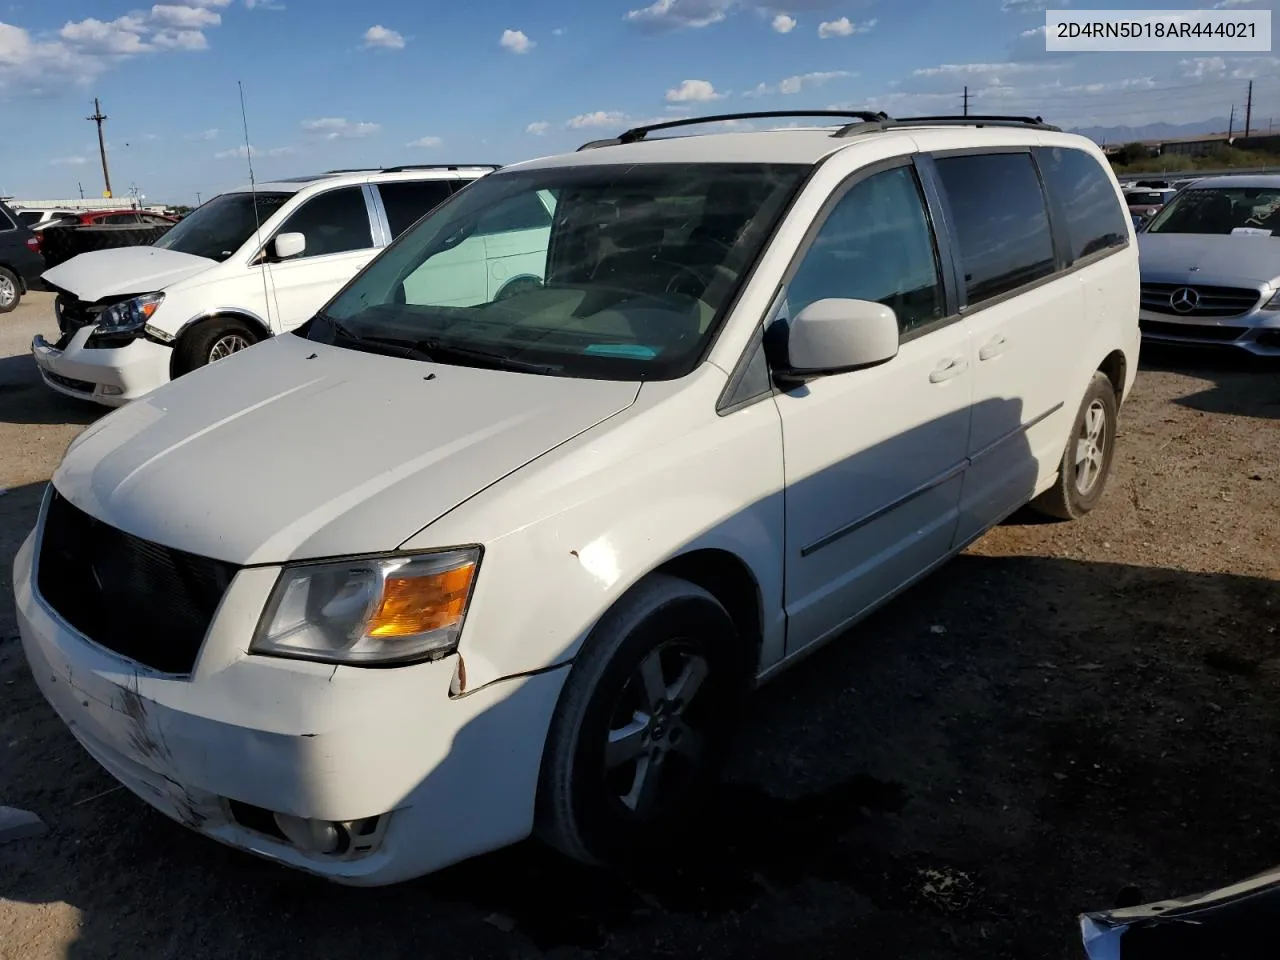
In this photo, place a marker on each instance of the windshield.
(602, 271)
(220, 227)
(1220, 210)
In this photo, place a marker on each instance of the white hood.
(293, 450)
(127, 270)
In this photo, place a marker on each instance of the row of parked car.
(507, 484)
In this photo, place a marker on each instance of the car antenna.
(253, 195)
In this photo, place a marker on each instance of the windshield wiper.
(436, 351)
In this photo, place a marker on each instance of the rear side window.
(1095, 219)
(408, 201)
(1001, 222)
(26, 216)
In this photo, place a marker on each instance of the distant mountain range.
(1157, 131)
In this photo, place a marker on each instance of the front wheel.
(210, 342)
(1086, 463)
(642, 723)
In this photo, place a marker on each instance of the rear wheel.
(10, 290)
(642, 724)
(1086, 463)
(212, 341)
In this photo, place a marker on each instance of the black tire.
(9, 282)
(581, 806)
(1081, 482)
(198, 346)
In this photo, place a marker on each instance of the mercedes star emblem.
(1184, 300)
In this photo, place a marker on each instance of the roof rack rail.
(329, 173)
(947, 120)
(404, 168)
(636, 134)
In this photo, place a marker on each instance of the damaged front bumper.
(109, 375)
(277, 756)
(1237, 922)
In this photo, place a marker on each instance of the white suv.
(426, 575)
(244, 266)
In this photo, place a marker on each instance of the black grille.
(1209, 301)
(1190, 331)
(83, 386)
(146, 602)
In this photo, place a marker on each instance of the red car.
(94, 218)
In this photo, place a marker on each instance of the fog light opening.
(110, 390)
(315, 836)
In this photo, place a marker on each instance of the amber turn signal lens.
(414, 605)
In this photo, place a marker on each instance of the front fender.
(568, 535)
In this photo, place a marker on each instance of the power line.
(966, 101)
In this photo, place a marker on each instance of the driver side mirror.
(288, 245)
(835, 336)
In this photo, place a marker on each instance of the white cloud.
(516, 41)
(263, 5)
(340, 128)
(1201, 68)
(120, 37)
(693, 91)
(380, 36)
(675, 14)
(843, 28)
(210, 134)
(184, 17)
(538, 128)
(1034, 31)
(181, 40)
(243, 152)
(599, 118)
(425, 142)
(783, 23)
(1227, 4)
(1029, 6)
(69, 161)
(558, 32)
(803, 81)
(987, 71)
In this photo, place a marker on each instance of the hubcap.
(1090, 445)
(8, 292)
(652, 746)
(224, 347)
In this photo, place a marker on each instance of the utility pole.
(966, 101)
(197, 198)
(98, 118)
(1248, 110)
(81, 186)
(1231, 123)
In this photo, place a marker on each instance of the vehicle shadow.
(1010, 742)
(25, 399)
(1243, 385)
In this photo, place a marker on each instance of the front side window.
(407, 201)
(336, 221)
(1001, 222)
(220, 227)
(1095, 219)
(1220, 210)
(875, 245)
(627, 279)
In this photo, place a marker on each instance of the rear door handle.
(993, 347)
(947, 369)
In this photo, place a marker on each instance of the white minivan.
(423, 578)
(250, 264)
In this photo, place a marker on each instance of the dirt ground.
(1062, 712)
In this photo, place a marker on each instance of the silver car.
(1210, 265)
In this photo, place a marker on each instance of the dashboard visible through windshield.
(611, 272)
(220, 227)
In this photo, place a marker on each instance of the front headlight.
(370, 610)
(129, 315)
(1273, 303)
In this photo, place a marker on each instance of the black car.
(20, 260)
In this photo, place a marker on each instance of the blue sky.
(331, 83)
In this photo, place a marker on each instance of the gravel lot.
(1062, 712)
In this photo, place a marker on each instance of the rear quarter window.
(1081, 189)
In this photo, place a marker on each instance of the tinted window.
(5, 222)
(1000, 221)
(1095, 219)
(406, 203)
(875, 245)
(26, 216)
(120, 218)
(1220, 210)
(333, 222)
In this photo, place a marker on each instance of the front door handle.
(993, 347)
(947, 369)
